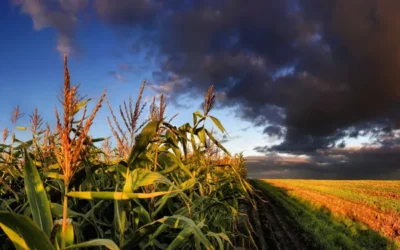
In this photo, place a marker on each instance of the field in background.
(375, 204)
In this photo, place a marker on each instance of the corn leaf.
(143, 140)
(139, 235)
(116, 195)
(180, 239)
(178, 221)
(143, 214)
(202, 136)
(37, 196)
(55, 166)
(57, 211)
(23, 233)
(20, 128)
(216, 142)
(81, 105)
(218, 124)
(96, 243)
(143, 177)
(54, 175)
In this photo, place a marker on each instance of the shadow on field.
(288, 223)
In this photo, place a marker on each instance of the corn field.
(161, 187)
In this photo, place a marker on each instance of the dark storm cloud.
(226, 138)
(127, 12)
(274, 131)
(343, 63)
(311, 72)
(360, 163)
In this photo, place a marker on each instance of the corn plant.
(162, 187)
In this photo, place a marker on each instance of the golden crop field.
(373, 203)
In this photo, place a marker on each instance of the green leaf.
(96, 243)
(195, 115)
(116, 195)
(143, 177)
(98, 139)
(139, 235)
(202, 136)
(219, 237)
(37, 196)
(55, 166)
(57, 211)
(53, 175)
(20, 128)
(23, 232)
(143, 140)
(143, 214)
(218, 124)
(81, 105)
(180, 239)
(216, 142)
(178, 221)
(23, 144)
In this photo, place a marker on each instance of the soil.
(277, 229)
(387, 223)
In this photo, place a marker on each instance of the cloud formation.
(117, 76)
(352, 163)
(60, 15)
(309, 72)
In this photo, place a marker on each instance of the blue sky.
(32, 76)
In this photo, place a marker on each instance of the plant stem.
(64, 222)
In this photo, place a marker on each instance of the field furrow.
(359, 201)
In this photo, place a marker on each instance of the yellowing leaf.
(37, 196)
(96, 243)
(23, 233)
(218, 124)
(20, 128)
(116, 195)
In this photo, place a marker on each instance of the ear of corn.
(161, 187)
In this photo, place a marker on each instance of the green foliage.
(37, 197)
(178, 188)
(23, 232)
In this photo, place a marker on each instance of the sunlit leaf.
(81, 105)
(143, 140)
(182, 237)
(218, 124)
(109, 244)
(143, 214)
(23, 232)
(54, 175)
(177, 221)
(216, 142)
(57, 211)
(115, 195)
(37, 196)
(143, 177)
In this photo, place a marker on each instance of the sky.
(305, 88)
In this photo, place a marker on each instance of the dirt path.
(279, 230)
